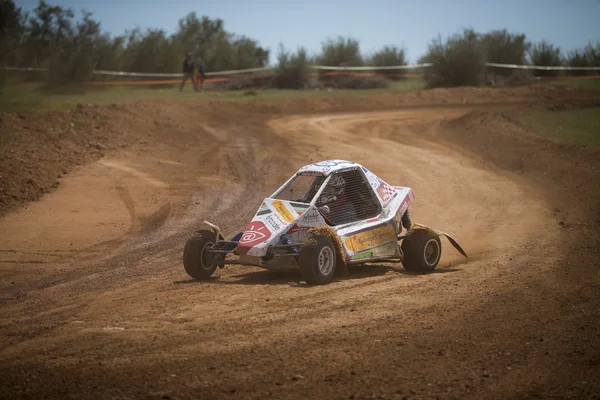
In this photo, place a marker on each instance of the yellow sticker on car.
(371, 238)
(283, 211)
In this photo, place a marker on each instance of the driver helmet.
(334, 188)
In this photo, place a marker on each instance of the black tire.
(195, 260)
(406, 223)
(422, 250)
(318, 260)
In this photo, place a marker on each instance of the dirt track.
(95, 302)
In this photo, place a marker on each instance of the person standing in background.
(189, 65)
(201, 74)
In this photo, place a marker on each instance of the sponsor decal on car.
(300, 208)
(263, 210)
(283, 211)
(404, 205)
(254, 234)
(385, 192)
(375, 183)
(311, 218)
(392, 198)
(363, 255)
(370, 238)
(386, 250)
(273, 223)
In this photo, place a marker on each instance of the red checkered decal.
(385, 191)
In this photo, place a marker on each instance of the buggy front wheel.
(317, 260)
(422, 250)
(197, 262)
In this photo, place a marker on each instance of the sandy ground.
(95, 302)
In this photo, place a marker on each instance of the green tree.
(291, 69)
(577, 58)
(198, 35)
(218, 49)
(340, 52)
(11, 28)
(150, 52)
(109, 53)
(502, 47)
(546, 54)
(46, 30)
(249, 53)
(388, 56)
(73, 58)
(457, 61)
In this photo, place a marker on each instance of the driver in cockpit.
(335, 197)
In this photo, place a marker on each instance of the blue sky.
(410, 24)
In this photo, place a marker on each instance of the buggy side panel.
(399, 204)
(372, 242)
(268, 225)
(377, 237)
(274, 219)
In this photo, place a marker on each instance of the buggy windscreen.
(301, 189)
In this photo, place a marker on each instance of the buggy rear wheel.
(317, 260)
(197, 262)
(422, 250)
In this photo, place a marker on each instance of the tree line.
(72, 48)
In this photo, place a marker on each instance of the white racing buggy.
(328, 215)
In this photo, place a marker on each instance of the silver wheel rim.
(326, 260)
(431, 252)
(203, 256)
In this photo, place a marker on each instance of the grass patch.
(591, 83)
(30, 98)
(580, 126)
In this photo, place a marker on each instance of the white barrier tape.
(179, 75)
(369, 68)
(147, 74)
(23, 69)
(561, 68)
(264, 69)
(316, 67)
(240, 71)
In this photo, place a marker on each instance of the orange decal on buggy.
(283, 211)
(371, 238)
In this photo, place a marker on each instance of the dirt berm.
(97, 204)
